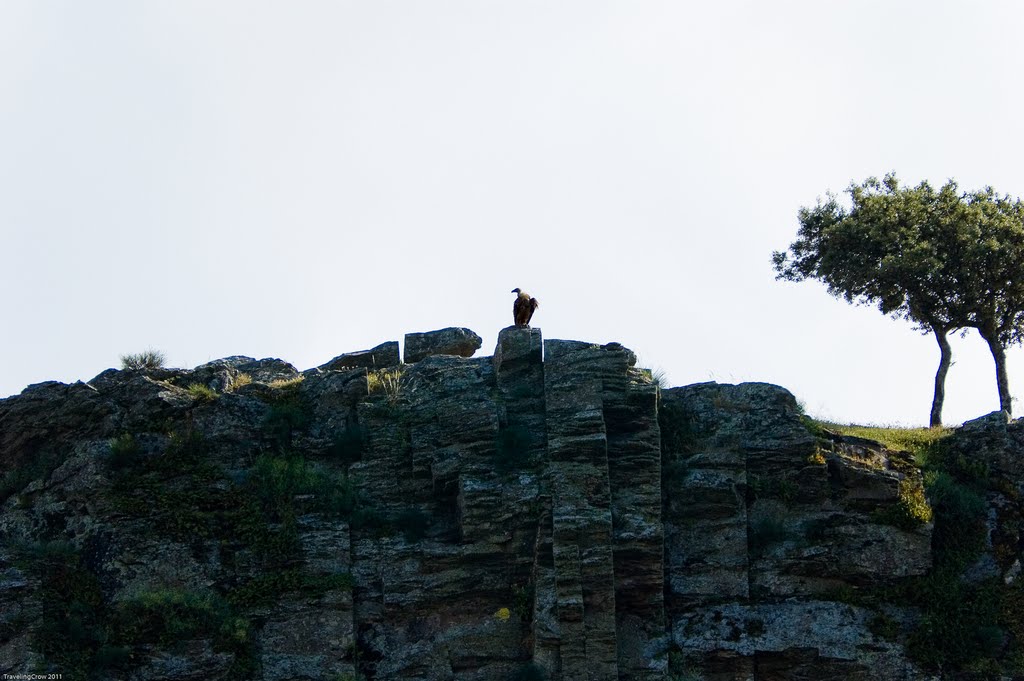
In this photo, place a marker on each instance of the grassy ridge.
(921, 442)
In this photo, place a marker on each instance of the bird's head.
(516, 290)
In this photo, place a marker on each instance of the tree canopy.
(942, 259)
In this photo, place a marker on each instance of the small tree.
(888, 250)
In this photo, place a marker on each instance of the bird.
(522, 309)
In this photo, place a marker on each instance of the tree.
(895, 248)
(994, 276)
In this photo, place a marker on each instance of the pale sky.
(303, 179)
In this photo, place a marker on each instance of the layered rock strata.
(547, 512)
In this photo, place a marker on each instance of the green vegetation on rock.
(964, 622)
(923, 443)
(149, 359)
(201, 393)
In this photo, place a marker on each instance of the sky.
(304, 179)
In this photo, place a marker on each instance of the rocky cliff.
(547, 512)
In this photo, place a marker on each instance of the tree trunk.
(1002, 380)
(945, 359)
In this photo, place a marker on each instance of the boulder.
(451, 341)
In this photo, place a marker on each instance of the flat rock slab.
(454, 340)
(384, 355)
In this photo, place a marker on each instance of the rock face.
(763, 527)
(547, 512)
(451, 341)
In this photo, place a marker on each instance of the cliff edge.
(546, 512)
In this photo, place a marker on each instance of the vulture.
(522, 309)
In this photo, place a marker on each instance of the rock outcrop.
(764, 527)
(547, 512)
(454, 340)
(379, 357)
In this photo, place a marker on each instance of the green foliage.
(970, 472)
(963, 625)
(512, 449)
(959, 535)
(958, 623)
(276, 481)
(776, 487)
(186, 449)
(961, 622)
(124, 452)
(268, 587)
(286, 417)
(371, 520)
(656, 377)
(522, 601)
(201, 393)
(81, 635)
(180, 491)
(167, 615)
(943, 259)
(812, 426)
(289, 412)
(150, 359)
(912, 509)
(888, 250)
(240, 381)
(347, 447)
(287, 385)
(1012, 618)
(392, 384)
(924, 443)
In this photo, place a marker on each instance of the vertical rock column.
(520, 378)
(634, 459)
(581, 512)
(520, 381)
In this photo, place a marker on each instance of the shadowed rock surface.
(546, 512)
(379, 357)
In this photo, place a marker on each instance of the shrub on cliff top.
(150, 359)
